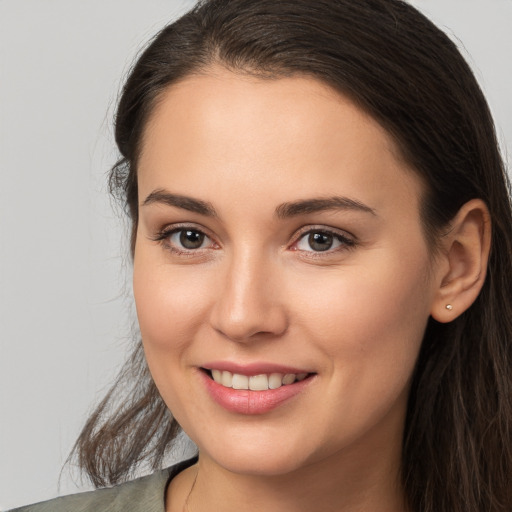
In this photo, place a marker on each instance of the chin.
(247, 464)
(257, 455)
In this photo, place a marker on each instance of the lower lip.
(246, 401)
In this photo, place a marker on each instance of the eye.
(189, 239)
(183, 240)
(319, 240)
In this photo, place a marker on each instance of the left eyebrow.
(315, 205)
(186, 203)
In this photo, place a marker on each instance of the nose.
(249, 303)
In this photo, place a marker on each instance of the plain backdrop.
(65, 307)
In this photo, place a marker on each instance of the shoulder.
(144, 494)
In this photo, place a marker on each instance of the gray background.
(65, 307)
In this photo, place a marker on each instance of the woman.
(322, 257)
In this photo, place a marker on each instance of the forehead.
(293, 135)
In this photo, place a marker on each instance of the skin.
(256, 290)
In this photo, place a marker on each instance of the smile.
(256, 393)
(262, 382)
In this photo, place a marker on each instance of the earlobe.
(465, 252)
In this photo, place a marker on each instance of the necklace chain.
(185, 507)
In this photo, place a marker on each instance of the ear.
(462, 264)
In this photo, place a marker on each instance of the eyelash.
(164, 236)
(346, 242)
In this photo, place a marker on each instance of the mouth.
(254, 388)
(261, 382)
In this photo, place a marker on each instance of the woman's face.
(280, 239)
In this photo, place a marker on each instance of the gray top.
(146, 494)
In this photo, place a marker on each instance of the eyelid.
(348, 239)
(325, 229)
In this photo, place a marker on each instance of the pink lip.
(248, 402)
(253, 368)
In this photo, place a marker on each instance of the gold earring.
(449, 307)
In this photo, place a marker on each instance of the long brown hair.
(407, 74)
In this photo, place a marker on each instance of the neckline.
(173, 471)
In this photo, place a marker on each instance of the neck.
(320, 486)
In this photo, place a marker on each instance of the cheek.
(373, 315)
(170, 302)
(369, 323)
(170, 307)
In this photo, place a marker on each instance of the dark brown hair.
(407, 74)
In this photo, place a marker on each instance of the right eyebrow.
(308, 206)
(186, 203)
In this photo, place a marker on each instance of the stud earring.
(449, 307)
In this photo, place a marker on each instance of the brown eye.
(186, 239)
(320, 241)
(190, 239)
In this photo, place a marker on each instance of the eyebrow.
(283, 211)
(179, 201)
(303, 207)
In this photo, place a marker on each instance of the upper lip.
(250, 369)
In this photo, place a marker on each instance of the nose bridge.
(248, 301)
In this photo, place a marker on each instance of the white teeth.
(275, 380)
(260, 382)
(240, 381)
(227, 379)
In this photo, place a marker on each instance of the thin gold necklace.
(185, 507)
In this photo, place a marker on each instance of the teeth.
(261, 382)
(275, 380)
(240, 381)
(289, 378)
(258, 382)
(226, 379)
